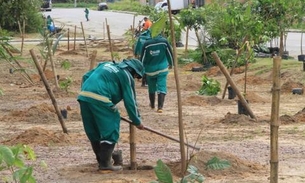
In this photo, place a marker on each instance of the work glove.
(140, 126)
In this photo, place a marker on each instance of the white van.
(46, 6)
(176, 5)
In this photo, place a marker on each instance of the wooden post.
(186, 40)
(104, 37)
(110, 44)
(93, 60)
(275, 123)
(74, 37)
(233, 85)
(50, 92)
(133, 162)
(68, 39)
(180, 120)
(81, 23)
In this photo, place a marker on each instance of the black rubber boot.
(144, 82)
(96, 148)
(161, 97)
(105, 156)
(152, 97)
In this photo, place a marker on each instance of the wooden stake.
(233, 85)
(110, 44)
(81, 23)
(68, 39)
(50, 92)
(180, 120)
(132, 137)
(186, 40)
(74, 37)
(275, 123)
(93, 60)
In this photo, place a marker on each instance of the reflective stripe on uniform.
(95, 96)
(156, 72)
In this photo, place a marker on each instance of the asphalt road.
(120, 22)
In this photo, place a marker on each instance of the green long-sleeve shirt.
(156, 56)
(108, 84)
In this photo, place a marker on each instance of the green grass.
(124, 5)
(264, 65)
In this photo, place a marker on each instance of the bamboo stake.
(68, 39)
(50, 92)
(180, 120)
(110, 44)
(84, 38)
(74, 37)
(132, 137)
(233, 85)
(275, 123)
(93, 60)
(186, 40)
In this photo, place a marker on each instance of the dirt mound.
(252, 97)
(286, 119)
(39, 136)
(36, 114)
(188, 67)
(253, 80)
(289, 85)
(237, 167)
(214, 71)
(237, 119)
(198, 100)
(300, 116)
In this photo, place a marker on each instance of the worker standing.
(87, 14)
(157, 57)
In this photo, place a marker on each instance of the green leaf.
(7, 155)
(56, 43)
(216, 164)
(163, 172)
(158, 26)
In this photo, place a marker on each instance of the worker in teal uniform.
(102, 88)
(157, 57)
(144, 36)
(87, 14)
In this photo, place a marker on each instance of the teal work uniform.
(102, 88)
(87, 14)
(140, 42)
(156, 57)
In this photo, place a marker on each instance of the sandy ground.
(211, 123)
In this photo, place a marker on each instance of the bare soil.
(27, 116)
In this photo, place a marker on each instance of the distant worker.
(50, 24)
(157, 57)
(144, 36)
(147, 24)
(87, 14)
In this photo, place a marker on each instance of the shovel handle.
(161, 134)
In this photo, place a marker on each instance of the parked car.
(102, 6)
(46, 6)
(161, 6)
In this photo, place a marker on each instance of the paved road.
(120, 22)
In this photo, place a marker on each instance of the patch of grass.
(264, 65)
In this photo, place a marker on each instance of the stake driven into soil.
(161, 134)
